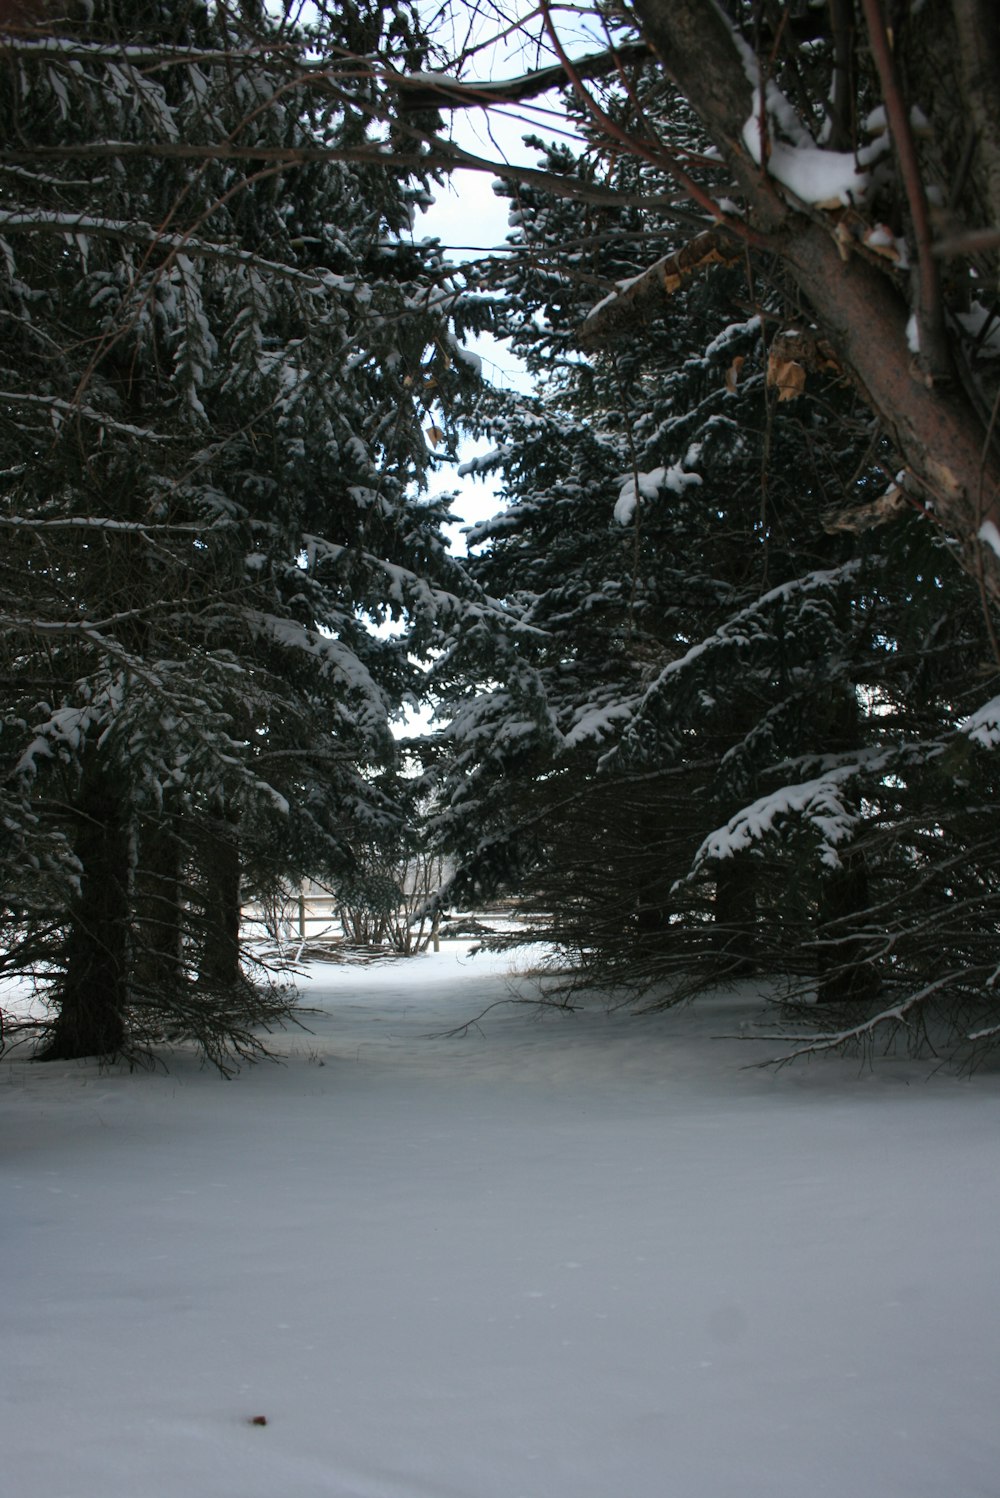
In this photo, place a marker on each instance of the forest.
(717, 689)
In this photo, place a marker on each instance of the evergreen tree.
(855, 149)
(722, 748)
(220, 359)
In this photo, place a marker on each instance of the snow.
(729, 335)
(558, 1256)
(468, 357)
(982, 325)
(638, 486)
(620, 288)
(484, 462)
(739, 630)
(990, 535)
(913, 333)
(813, 174)
(596, 721)
(983, 726)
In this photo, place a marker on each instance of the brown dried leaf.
(787, 377)
(879, 238)
(644, 296)
(858, 518)
(794, 346)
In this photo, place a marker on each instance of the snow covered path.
(580, 1256)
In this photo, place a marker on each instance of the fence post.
(302, 915)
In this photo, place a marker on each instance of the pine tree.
(719, 753)
(220, 360)
(855, 159)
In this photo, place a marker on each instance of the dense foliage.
(738, 708)
(747, 735)
(219, 362)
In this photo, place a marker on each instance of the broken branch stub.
(644, 296)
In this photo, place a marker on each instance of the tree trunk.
(220, 870)
(93, 995)
(859, 308)
(936, 431)
(734, 912)
(158, 907)
(844, 976)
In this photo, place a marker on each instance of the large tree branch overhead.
(901, 343)
(890, 337)
(864, 312)
(427, 91)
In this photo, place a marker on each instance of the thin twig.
(460, 1031)
(652, 151)
(933, 353)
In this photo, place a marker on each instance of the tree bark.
(938, 434)
(93, 995)
(844, 976)
(220, 869)
(158, 907)
(977, 27)
(941, 438)
(735, 913)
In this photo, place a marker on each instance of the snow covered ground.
(568, 1256)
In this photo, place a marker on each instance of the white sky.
(470, 219)
(468, 216)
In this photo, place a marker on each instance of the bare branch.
(48, 221)
(966, 244)
(460, 1031)
(932, 356)
(897, 1014)
(424, 92)
(644, 296)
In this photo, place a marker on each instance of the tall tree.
(219, 365)
(859, 143)
(724, 745)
